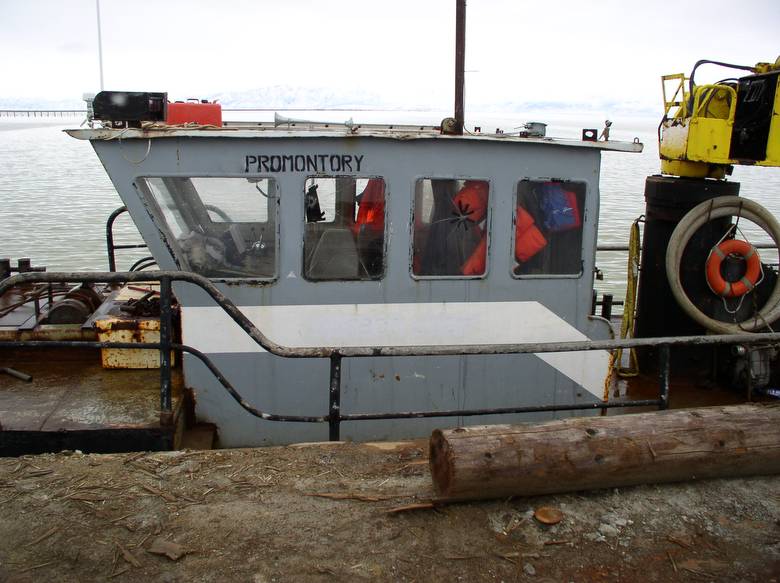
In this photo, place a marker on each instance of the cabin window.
(344, 238)
(217, 226)
(450, 227)
(548, 228)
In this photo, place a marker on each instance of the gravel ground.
(352, 512)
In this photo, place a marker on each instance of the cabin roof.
(400, 132)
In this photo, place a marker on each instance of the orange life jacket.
(471, 201)
(475, 264)
(371, 211)
(528, 238)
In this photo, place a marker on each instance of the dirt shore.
(335, 512)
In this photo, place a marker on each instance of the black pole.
(110, 237)
(166, 414)
(663, 376)
(460, 62)
(606, 306)
(334, 413)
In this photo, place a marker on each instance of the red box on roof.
(202, 113)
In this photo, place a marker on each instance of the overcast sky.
(402, 50)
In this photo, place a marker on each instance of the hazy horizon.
(605, 56)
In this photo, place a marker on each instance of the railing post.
(334, 412)
(110, 237)
(663, 376)
(166, 411)
(606, 306)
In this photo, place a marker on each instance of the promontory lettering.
(318, 163)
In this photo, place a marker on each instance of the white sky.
(519, 50)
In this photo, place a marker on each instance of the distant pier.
(42, 112)
(83, 112)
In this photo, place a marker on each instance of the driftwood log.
(603, 452)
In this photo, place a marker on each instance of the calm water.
(55, 196)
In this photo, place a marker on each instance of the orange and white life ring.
(718, 284)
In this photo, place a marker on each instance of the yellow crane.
(707, 129)
(711, 277)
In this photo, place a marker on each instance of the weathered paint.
(381, 384)
(117, 326)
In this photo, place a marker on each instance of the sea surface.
(55, 195)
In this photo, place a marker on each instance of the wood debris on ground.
(360, 512)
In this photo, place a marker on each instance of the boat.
(374, 282)
(370, 236)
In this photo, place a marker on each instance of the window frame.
(385, 230)
(488, 225)
(154, 211)
(513, 261)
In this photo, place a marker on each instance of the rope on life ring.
(718, 284)
(724, 206)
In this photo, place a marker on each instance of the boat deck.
(72, 403)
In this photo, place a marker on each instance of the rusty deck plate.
(73, 403)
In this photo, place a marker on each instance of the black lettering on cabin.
(303, 163)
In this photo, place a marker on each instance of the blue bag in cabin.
(560, 211)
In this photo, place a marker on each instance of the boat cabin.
(328, 235)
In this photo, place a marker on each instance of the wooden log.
(603, 452)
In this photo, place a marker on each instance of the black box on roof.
(130, 106)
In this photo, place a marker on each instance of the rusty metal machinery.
(75, 307)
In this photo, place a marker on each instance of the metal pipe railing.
(334, 416)
(609, 247)
(364, 351)
(111, 247)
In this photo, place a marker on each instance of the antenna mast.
(100, 44)
(460, 62)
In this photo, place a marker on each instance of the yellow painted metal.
(695, 138)
(126, 329)
(135, 329)
(709, 141)
(773, 142)
(761, 68)
(704, 136)
(679, 97)
(709, 137)
(627, 325)
(692, 169)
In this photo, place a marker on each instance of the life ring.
(718, 284)
(724, 206)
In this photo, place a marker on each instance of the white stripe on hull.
(211, 330)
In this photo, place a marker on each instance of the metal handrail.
(336, 353)
(363, 351)
(608, 247)
(111, 247)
